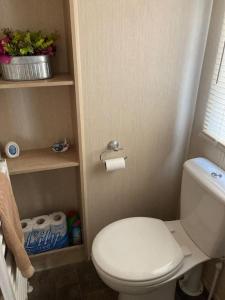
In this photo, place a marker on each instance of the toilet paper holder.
(113, 145)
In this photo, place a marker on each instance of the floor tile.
(65, 276)
(43, 294)
(88, 278)
(68, 292)
(105, 294)
(43, 286)
(78, 282)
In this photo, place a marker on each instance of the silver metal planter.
(27, 68)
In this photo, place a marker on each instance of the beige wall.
(140, 62)
(200, 146)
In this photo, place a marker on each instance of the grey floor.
(76, 282)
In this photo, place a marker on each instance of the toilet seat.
(137, 251)
(133, 283)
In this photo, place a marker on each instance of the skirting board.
(57, 258)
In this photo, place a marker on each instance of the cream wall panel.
(140, 62)
(200, 146)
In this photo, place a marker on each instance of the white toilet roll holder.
(112, 146)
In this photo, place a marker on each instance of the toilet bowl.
(141, 258)
(152, 254)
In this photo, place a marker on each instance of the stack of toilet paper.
(45, 233)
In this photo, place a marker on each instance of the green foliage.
(24, 43)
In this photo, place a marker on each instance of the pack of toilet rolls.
(45, 233)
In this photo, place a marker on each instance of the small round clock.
(12, 150)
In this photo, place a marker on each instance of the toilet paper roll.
(27, 227)
(115, 164)
(39, 239)
(41, 223)
(58, 223)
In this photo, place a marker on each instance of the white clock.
(12, 150)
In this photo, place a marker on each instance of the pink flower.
(5, 40)
(1, 50)
(5, 59)
(49, 51)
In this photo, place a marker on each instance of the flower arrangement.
(25, 43)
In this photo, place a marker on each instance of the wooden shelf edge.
(13, 173)
(57, 80)
(58, 257)
(31, 161)
(57, 251)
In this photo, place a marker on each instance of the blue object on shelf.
(61, 146)
(76, 235)
(42, 241)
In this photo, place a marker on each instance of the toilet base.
(163, 292)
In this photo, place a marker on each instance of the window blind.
(214, 122)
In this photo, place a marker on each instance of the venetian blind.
(214, 123)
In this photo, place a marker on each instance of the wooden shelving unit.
(58, 257)
(31, 161)
(57, 80)
(35, 114)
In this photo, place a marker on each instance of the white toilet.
(141, 258)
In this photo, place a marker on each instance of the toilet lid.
(136, 249)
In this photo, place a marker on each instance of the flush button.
(216, 175)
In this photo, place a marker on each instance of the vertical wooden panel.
(38, 117)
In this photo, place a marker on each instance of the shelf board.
(57, 80)
(31, 161)
(58, 257)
